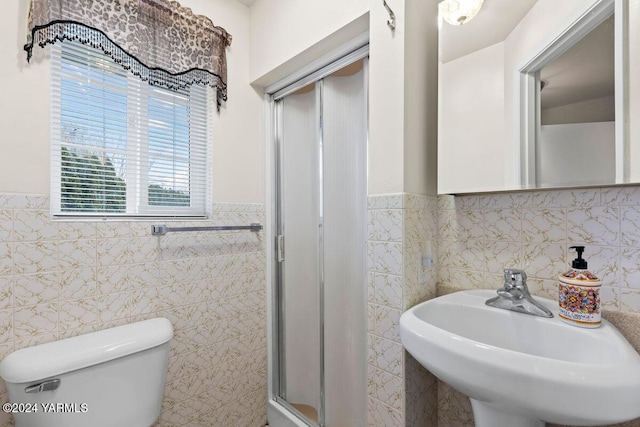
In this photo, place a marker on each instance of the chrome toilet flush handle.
(48, 385)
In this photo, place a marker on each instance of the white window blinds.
(121, 147)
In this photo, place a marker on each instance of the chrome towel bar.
(161, 230)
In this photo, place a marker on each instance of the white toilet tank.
(110, 378)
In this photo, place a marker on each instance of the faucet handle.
(514, 278)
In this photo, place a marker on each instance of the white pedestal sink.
(521, 370)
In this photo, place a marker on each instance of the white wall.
(282, 29)
(238, 151)
(386, 100)
(403, 98)
(577, 154)
(315, 24)
(421, 97)
(24, 110)
(286, 33)
(469, 145)
(592, 110)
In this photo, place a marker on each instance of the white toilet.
(110, 378)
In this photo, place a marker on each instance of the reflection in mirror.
(472, 92)
(497, 131)
(576, 141)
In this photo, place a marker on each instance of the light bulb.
(458, 12)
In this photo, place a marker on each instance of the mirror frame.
(527, 81)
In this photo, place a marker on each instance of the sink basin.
(523, 370)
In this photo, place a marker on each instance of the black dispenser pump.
(579, 263)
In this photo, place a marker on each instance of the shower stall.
(318, 284)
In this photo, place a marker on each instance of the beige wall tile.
(606, 220)
(65, 278)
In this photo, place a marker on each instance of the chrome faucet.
(515, 296)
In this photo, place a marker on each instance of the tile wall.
(59, 279)
(479, 235)
(63, 278)
(400, 227)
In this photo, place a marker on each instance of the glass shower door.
(299, 322)
(321, 287)
(344, 149)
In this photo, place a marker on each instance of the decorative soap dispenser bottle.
(579, 294)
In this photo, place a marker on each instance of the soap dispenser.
(579, 294)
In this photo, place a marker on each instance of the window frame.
(136, 152)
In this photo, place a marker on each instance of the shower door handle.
(280, 248)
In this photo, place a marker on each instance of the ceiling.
(247, 3)
(493, 24)
(586, 71)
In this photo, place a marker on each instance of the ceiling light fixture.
(458, 12)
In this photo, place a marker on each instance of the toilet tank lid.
(70, 354)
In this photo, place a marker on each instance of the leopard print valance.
(158, 40)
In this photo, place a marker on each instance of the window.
(122, 147)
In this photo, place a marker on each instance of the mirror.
(577, 114)
(531, 96)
